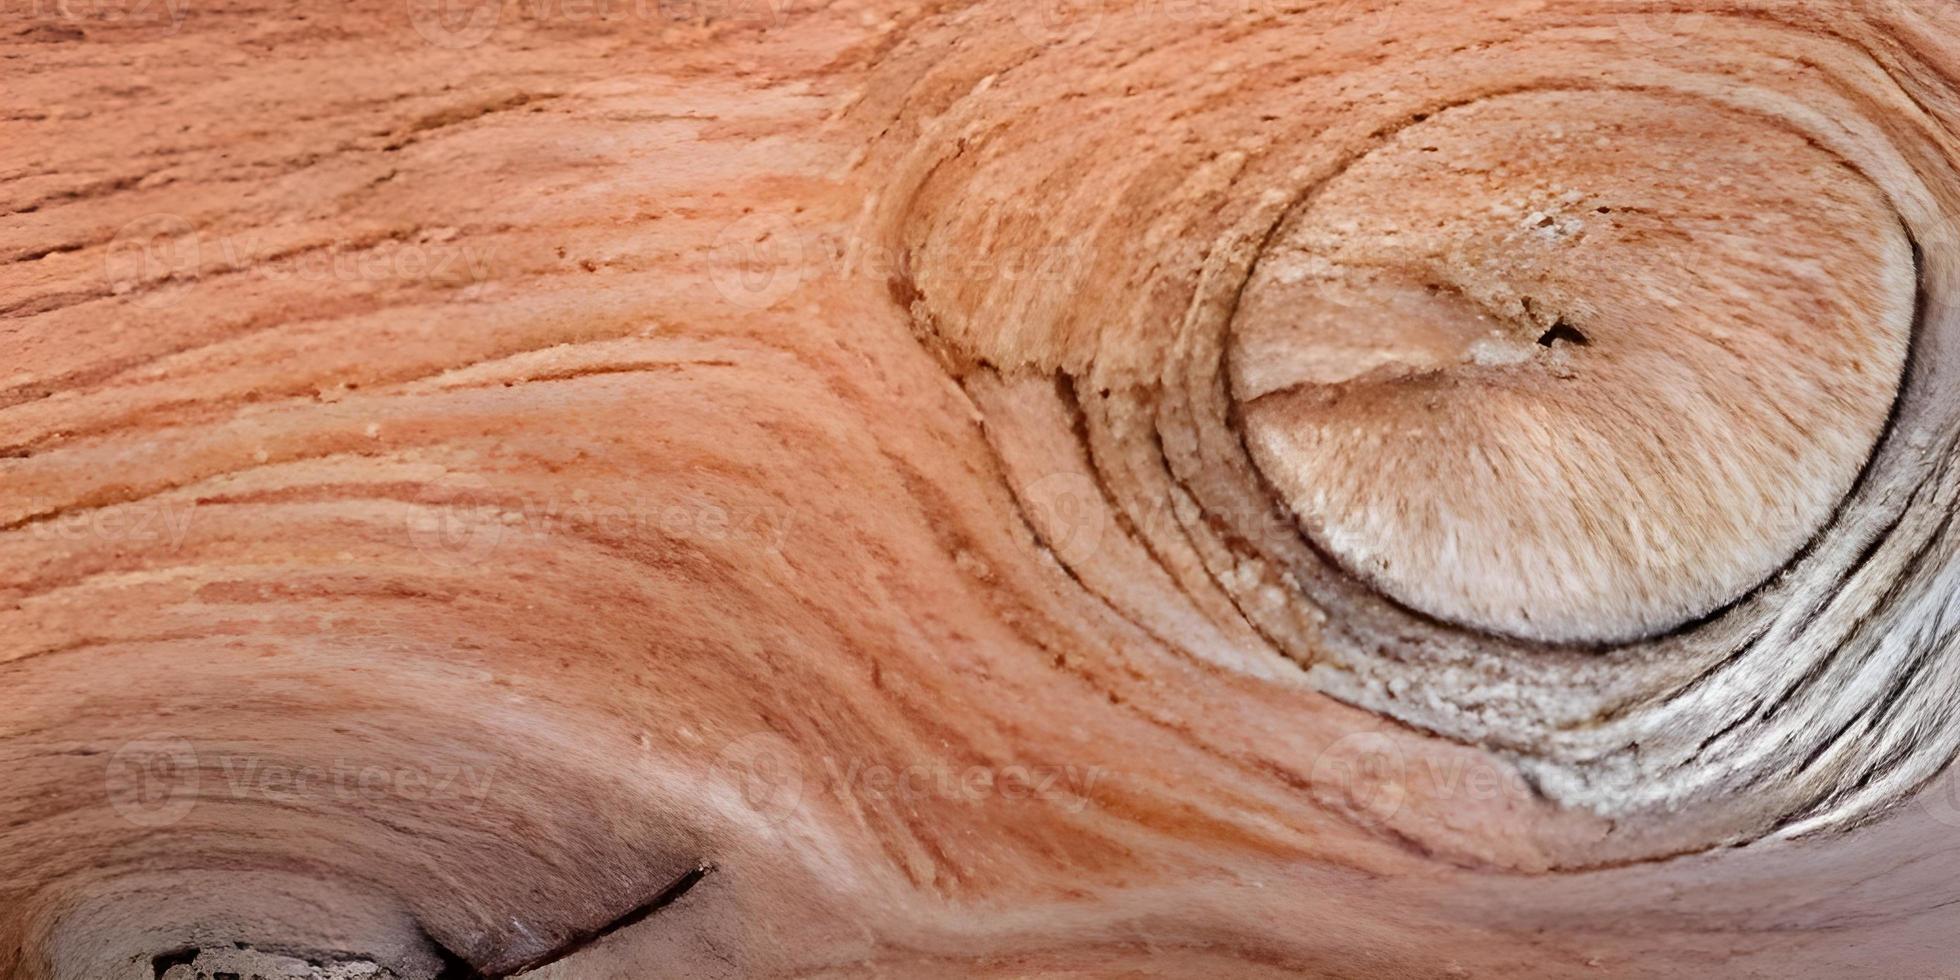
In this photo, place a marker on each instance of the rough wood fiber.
(1255, 488)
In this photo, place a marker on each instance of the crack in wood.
(456, 967)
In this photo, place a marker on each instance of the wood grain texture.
(755, 489)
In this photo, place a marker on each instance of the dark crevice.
(450, 965)
(163, 962)
(1563, 332)
(218, 962)
(640, 913)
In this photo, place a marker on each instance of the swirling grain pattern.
(1345, 488)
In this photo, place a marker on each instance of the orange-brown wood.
(767, 489)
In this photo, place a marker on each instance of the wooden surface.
(746, 488)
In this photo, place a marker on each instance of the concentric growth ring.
(1581, 400)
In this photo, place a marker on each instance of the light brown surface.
(466, 480)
